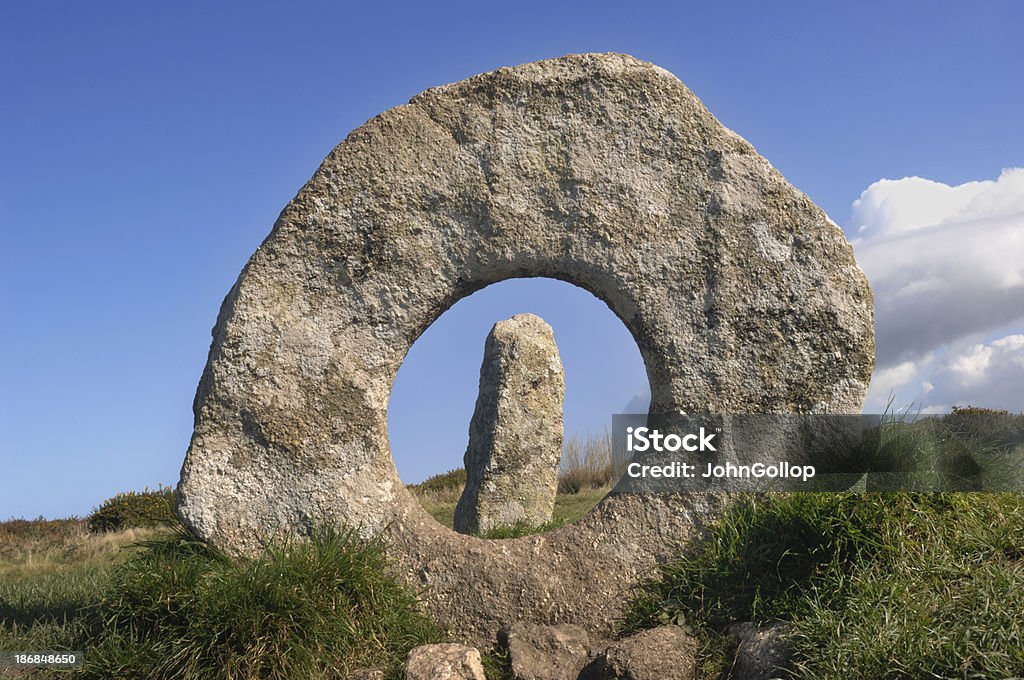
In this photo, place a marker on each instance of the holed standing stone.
(600, 170)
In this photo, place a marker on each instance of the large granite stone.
(597, 169)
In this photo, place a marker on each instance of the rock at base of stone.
(539, 652)
(444, 662)
(515, 435)
(664, 653)
(762, 652)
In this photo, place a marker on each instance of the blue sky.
(146, 151)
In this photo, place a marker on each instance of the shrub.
(999, 429)
(134, 509)
(318, 608)
(453, 480)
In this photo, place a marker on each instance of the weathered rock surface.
(515, 435)
(762, 652)
(597, 169)
(444, 662)
(541, 652)
(663, 653)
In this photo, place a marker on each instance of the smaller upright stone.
(515, 436)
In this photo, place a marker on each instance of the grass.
(439, 494)
(893, 585)
(148, 601)
(568, 508)
(879, 585)
(319, 608)
(587, 474)
(587, 463)
(173, 607)
(872, 585)
(51, 572)
(35, 548)
(970, 449)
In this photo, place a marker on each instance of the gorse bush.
(321, 608)
(453, 480)
(134, 509)
(998, 429)
(874, 585)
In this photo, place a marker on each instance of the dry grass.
(33, 548)
(175, 608)
(50, 572)
(440, 503)
(587, 463)
(588, 471)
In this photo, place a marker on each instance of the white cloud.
(900, 386)
(890, 206)
(946, 262)
(947, 267)
(989, 375)
(888, 379)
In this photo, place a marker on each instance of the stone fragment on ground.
(367, 674)
(515, 435)
(761, 652)
(444, 662)
(539, 652)
(663, 653)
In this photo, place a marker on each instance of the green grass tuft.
(318, 608)
(174, 607)
(876, 585)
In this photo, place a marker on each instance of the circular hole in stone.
(436, 389)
